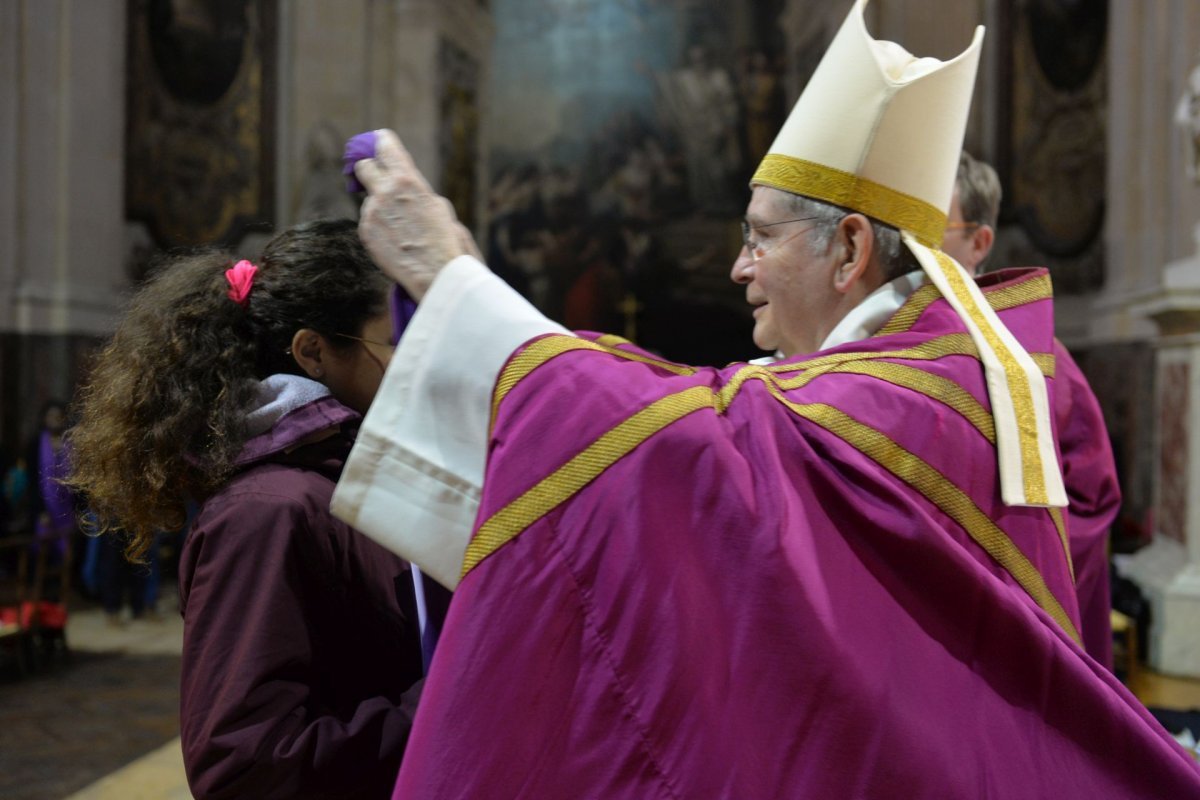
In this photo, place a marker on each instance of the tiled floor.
(90, 631)
(115, 700)
(159, 774)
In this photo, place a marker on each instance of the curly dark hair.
(162, 413)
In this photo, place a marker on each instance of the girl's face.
(354, 373)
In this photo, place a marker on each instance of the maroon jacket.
(299, 664)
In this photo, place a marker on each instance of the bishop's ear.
(856, 242)
(982, 241)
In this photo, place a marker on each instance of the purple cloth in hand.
(402, 307)
(357, 148)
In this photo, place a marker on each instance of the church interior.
(600, 153)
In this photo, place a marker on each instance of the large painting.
(200, 126)
(622, 138)
(459, 131)
(1053, 153)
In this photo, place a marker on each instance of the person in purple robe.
(52, 509)
(53, 503)
(1089, 470)
(241, 385)
(837, 575)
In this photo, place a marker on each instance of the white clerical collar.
(876, 309)
(866, 317)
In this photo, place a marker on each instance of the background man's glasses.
(388, 345)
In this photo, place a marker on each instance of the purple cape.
(772, 582)
(1090, 475)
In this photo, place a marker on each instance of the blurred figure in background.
(52, 503)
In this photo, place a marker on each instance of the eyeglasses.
(388, 345)
(758, 250)
(381, 363)
(962, 226)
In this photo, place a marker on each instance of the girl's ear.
(309, 349)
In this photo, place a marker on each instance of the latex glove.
(410, 231)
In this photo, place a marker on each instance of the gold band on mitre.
(924, 220)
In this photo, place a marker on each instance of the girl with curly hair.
(240, 386)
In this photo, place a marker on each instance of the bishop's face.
(788, 285)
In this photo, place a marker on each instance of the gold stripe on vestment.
(548, 347)
(590, 463)
(935, 487)
(1019, 389)
(1045, 362)
(611, 340)
(954, 396)
(1057, 516)
(952, 344)
(877, 367)
(1028, 291)
(908, 314)
(942, 492)
(582, 469)
(935, 387)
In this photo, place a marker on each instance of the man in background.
(1089, 471)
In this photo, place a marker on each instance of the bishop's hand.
(410, 231)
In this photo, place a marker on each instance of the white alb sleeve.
(412, 481)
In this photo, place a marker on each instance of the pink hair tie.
(241, 281)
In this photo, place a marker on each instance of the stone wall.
(359, 65)
(61, 237)
(1153, 206)
(67, 253)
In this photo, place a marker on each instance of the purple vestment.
(772, 582)
(1090, 475)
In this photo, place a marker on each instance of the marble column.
(446, 46)
(1153, 295)
(1168, 570)
(1151, 203)
(62, 269)
(364, 64)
